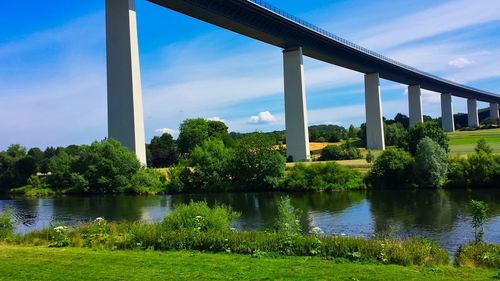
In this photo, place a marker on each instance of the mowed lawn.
(42, 263)
(463, 142)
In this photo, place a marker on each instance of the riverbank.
(41, 263)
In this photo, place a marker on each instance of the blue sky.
(52, 65)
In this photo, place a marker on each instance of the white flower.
(343, 234)
(60, 228)
(198, 217)
(317, 231)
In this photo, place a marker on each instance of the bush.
(483, 146)
(431, 165)
(322, 176)
(198, 217)
(6, 223)
(479, 210)
(392, 168)
(209, 167)
(257, 165)
(345, 151)
(148, 181)
(394, 134)
(480, 169)
(478, 255)
(370, 156)
(426, 129)
(288, 218)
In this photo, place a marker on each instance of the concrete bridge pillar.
(415, 104)
(472, 115)
(297, 132)
(447, 122)
(494, 111)
(373, 107)
(125, 112)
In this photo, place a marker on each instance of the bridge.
(296, 38)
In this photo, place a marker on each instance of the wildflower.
(317, 231)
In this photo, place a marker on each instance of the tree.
(426, 129)
(208, 167)
(482, 145)
(15, 167)
(392, 168)
(257, 164)
(107, 166)
(403, 119)
(352, 132)
(192, 133)
(430, 164)
(345, 151)
(163, 151)
(394, 134)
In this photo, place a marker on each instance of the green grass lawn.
(463, 142)
(41, 263)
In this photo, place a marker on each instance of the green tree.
(431, 165)
(257, 164)
(479, 211)
(426, 129)
(482, 145)
(163, 151)
(192, 133)
(394, 134)
(208, 167)
(352, 132)
(107, 166)
(15, 167)
(391, 168)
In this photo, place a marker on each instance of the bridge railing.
(334, 37)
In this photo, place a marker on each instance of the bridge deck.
(261, 21)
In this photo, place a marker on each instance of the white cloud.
(172, 132)
(460, 62)
(216, 118)
(450, 16)
(264, 117)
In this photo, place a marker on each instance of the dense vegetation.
(206, 157)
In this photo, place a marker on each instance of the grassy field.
(463, 142)
(41, 263)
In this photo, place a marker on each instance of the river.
(439, 215)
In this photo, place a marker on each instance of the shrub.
(209, 167)
(478, 211)
(426, 129)
(370, 156)
(59, 237)
(483, 146)
(391, 168)
(287, 221)
(257, 165)
(478, 255)
(97, 233)
(346, 151)
(480, 169)
(6, 223)
(431, 164)
(323, 176)
(148, 181)
(198, 217)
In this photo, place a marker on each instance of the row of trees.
(422, 160)
(101, 167)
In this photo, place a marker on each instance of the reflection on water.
(439, 215)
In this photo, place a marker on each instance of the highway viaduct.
(295, 37)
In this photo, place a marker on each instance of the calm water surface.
(439, 215)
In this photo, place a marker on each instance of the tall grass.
(6, 223)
